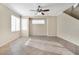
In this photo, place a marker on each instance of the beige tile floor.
(35, 45)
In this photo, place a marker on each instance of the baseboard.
(51, 35)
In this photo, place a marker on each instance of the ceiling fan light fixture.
(39, 13)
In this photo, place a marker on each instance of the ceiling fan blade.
(42, 13)
(45, 10)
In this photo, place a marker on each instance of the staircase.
(74, 12)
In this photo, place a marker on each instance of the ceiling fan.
(40, 10)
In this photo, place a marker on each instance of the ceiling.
(24, 8)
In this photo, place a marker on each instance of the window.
(24, 24)
(38, 21)
(15, 23)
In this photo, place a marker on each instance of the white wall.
(52, 26)
(5, 28)
(68, 28)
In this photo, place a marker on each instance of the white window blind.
(38, 21)
(15, 23)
